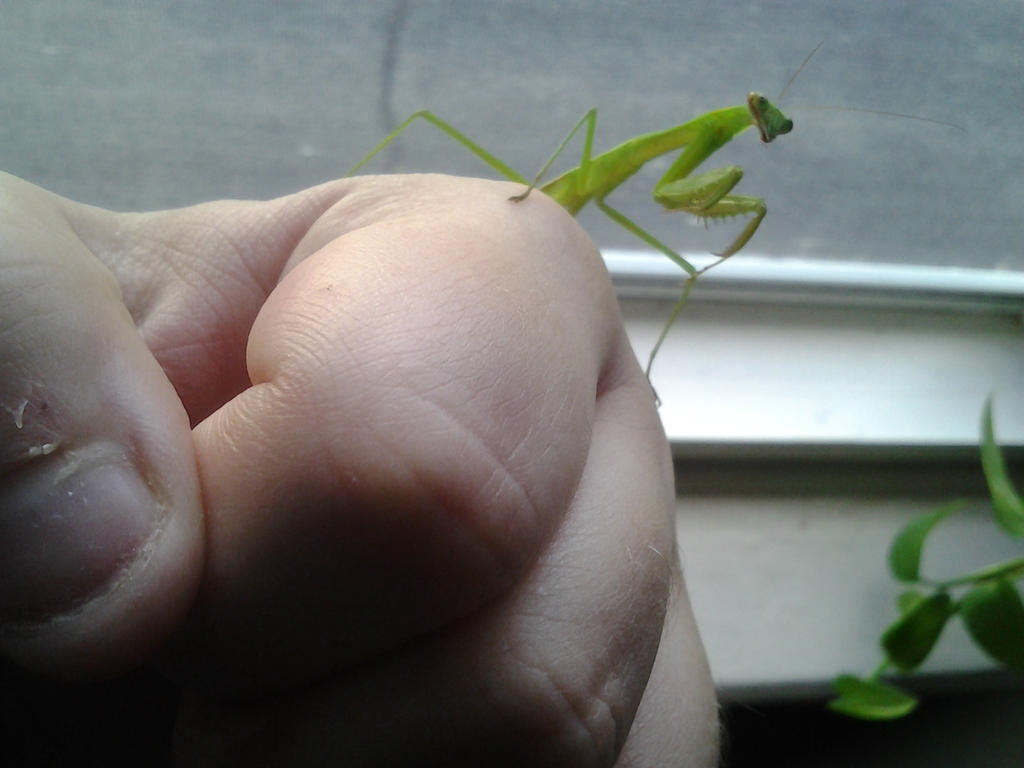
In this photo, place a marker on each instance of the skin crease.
(413, 501)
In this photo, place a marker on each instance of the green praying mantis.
(706, 195)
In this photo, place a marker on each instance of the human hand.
(370, 470)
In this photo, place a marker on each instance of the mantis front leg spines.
(705, 195)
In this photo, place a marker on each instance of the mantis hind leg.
(451, 131)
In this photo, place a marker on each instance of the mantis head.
(768, 120)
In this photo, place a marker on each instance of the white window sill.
(787, 356)
(813, 409)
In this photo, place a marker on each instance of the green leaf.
(994, 616)
(908, 601)
(1006, 503)
(909, 640)
(870, 699)
(905, 551)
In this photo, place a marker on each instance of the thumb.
(100, 522)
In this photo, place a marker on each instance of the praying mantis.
(706, 195)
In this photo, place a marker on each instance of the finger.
(677, 722)
(400, 458)
(100, 535)
(551, 674)
(194, 279)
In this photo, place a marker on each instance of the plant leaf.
(1006, 502)
(908, 601)
(870, 699)
(909, 640)
(994, 616)
(905, 551)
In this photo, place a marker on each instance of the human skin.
(369, 471)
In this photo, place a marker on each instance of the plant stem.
(1012, 569)
(879, 670)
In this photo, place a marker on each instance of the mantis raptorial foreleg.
(706, 195)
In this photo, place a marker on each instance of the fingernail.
(69, 523)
